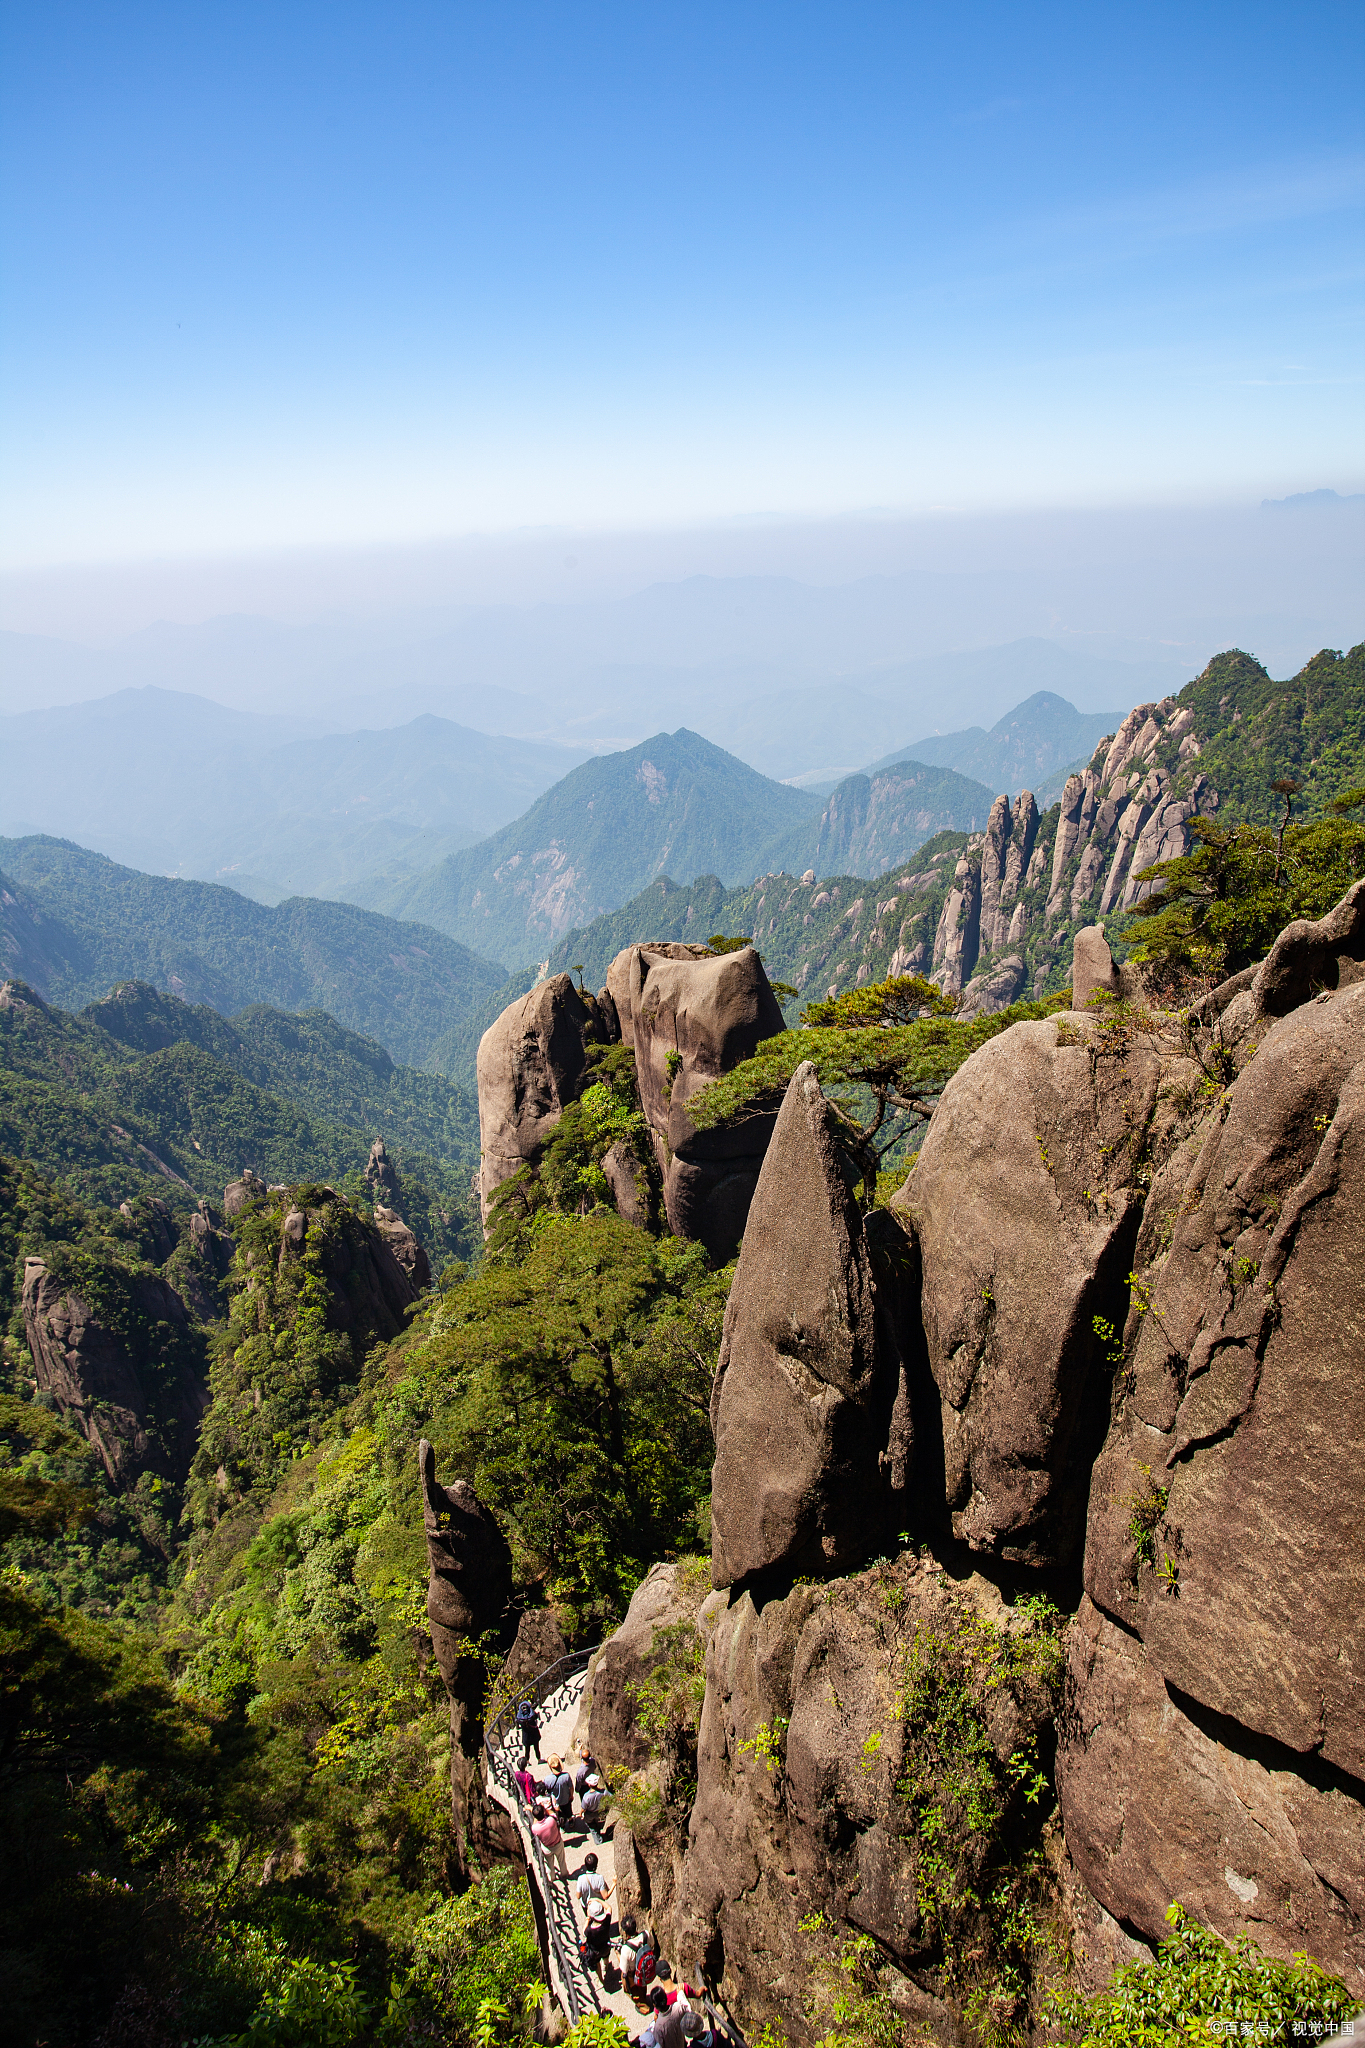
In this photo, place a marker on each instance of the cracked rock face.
(1025, 1203)
(532, 1060)
(1222, 1537)
(811, 1402)
(138, 1411)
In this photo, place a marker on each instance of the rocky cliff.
(118, 1354)
(1112, 1373)
(688, 1015)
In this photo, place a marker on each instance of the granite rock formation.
(1025, 1204)
(407, 1249)
(692, 1020)
(811, 1403)
(689, 1015)
(532, 1060)
(1133, 1315)
(129, 1373)
(1223, 1575)
(469, 1595)
(368, 1291)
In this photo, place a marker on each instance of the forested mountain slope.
(142, 1094)
(872, 822)
(1002, 904)
(675, 804)
(73, 923)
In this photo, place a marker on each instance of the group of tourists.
(626, 1954)
(551, 1798)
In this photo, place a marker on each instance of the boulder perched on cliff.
(1025, 1202)
(1312, 955)
(623, 971)
(119, 1356)
(695, 1016)
(1217, 1538)
(532, 1061)
(811, 1403)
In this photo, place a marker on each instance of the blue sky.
(340, 274)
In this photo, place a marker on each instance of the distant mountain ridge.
(1028, 748)
(992, 912)
(73, 924)
(595, 839)
(287, 808)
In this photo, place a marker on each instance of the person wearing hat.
(596, 1799)
(596, 1945)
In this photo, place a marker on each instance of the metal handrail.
(541, 1688)
(538, 1691)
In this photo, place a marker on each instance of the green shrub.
(1200, 1988)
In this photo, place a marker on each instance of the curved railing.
(550, 1690)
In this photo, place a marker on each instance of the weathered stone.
(407, 1249)
(1026, 1201)
(1160, 1806)
(532, 1061)
(667, 1595)
(709, 1013)
(957, 940)
(1248, 1401)
(801, 1750)
(1308, 956)
(237, 1194)
(622, 971)
(471, 1565)
(629, 1186)
(468, 1596)
(381, 1174)
(811, 1404)
(696, 1016)
(994, 990)
(539, 1644)
(139, 1411)
(1092, 967)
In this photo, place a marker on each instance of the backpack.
(642, 1969)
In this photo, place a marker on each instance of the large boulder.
(532, 1061)
(123, 1364)
(624, 971)
(818, 1758)
(1218, 1539)
(694, 1017)
(1310, 955)
(1025, 1202)
(811, 1402)
(1164, 1801)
